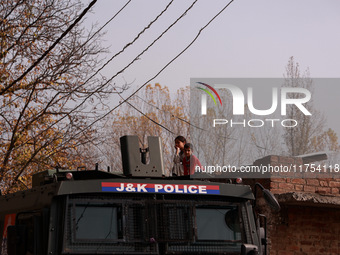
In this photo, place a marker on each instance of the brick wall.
(312, 183)
(309, 222)
(306, 231)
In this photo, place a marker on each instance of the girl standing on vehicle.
(177, 169)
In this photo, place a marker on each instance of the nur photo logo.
(280, 99)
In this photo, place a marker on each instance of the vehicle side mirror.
(269, 197)
(249, 249)
(16, 240)
(271, 200)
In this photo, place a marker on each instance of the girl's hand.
(177, 150)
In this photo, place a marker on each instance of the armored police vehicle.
(140, 212)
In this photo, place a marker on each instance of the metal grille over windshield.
(149, 225)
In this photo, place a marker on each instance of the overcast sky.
(249, 39)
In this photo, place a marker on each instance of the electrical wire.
(49, 49)
(91, 37)
(103, 85)
(161, 70)
(122, 70)
(114, 16)
(152, 120)
(180, 119)
(129, 44)
(157, 74)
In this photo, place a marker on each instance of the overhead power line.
(128, 45)
(121, 71)
(89, 95)
(90, 38)
(149, 80)
(114, 16)
(146, 116)
(3, 91)
(106, 23)
(176, 117)
(162, 69)
(177, 56)
(172, 115)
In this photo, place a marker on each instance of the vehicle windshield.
(145, 225)
(96, 221)
(217, 224)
